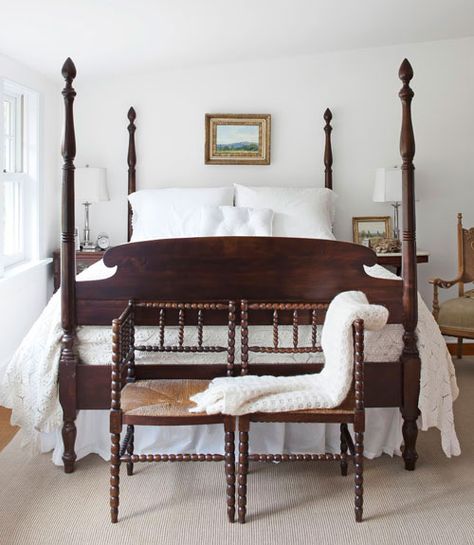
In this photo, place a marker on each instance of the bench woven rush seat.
(161, 398)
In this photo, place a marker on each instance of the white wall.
(361, 89)
(23, 296)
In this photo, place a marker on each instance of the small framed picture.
(237, 139)
(369, 229)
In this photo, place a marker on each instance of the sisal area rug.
(184, 504)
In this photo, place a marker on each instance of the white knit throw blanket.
(327, 389)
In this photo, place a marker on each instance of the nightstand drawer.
(83, 260)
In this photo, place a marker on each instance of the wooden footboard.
(383, 379)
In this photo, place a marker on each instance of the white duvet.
(29, 387)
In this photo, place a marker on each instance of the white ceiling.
(112, 36)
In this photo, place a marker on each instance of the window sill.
(16, 270)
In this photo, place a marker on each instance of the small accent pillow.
(232, 221)
(303, 212)
(173, 212)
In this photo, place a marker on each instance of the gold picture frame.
(237, 139)
(367, 229)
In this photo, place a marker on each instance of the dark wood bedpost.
(132, 162)
(410, 356)
(328, 149)
(68, 359)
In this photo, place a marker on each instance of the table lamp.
(388, 188)
(91, 187)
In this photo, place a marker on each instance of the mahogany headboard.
(132, 159)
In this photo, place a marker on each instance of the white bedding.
(29, 388)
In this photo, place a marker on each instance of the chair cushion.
(458, 313)
(161, 397)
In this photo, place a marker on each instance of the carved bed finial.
(68, 148)
(68, 70)
(132, 115)
(406, 94)
(405, 73)
(328, 149)
(132, 162)
(132, 156)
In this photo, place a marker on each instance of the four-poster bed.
(224, 269)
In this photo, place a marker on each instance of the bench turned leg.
(344, 449)
(114, 476)
(230, 467)
(243, 468)
(359, 475)
(130, 447)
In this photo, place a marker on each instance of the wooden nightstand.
(83, 260)
(395, 260)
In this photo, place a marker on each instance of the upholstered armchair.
(455, 317)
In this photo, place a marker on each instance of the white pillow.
(173, 212)
(233, 221)
(303, 212)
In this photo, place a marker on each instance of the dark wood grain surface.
(225, 268)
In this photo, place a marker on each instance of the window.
(19, 174)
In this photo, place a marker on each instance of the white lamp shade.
(388, 185)
(91, 185)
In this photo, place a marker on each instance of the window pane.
(6, 116)
(13, 133)
(7, 165)
(12, 218)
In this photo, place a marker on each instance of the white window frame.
(25, 174)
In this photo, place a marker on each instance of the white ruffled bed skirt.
(383, 435)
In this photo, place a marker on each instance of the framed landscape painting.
(237, 139)
(368, 229)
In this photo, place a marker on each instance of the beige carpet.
(288, 504)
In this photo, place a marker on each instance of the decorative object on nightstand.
(91, 187)
(103, 241)
(455, 317)
(386, 246)
(83, 260)
(367, 230)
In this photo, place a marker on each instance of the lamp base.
(88, 247)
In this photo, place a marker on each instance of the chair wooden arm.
(439, 283)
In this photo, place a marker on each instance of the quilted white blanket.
(327, 389)
(29, 385)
